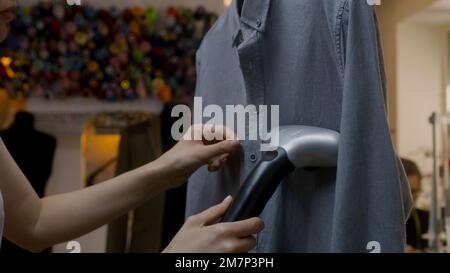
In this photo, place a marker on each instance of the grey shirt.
(321, 61)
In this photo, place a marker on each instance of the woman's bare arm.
(35, 223)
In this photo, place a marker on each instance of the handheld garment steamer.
(299, 147)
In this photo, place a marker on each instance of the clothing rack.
(437, 224)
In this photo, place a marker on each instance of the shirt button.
(258, 23)
(253, 158)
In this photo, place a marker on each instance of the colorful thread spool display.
(55, 51)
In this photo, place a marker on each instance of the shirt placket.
(248, 43)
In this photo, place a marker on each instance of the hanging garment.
(321, 62)
(140, 230)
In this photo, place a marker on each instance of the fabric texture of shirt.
(321, 61)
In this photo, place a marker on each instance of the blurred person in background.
(417, 224)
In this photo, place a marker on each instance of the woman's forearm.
(35, 223)
(67, 216)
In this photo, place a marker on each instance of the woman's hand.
(200, 233)
(201, 145)
(35, 223)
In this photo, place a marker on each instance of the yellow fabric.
(4, 107)
(418, 228)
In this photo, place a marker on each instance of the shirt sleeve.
(372, 200)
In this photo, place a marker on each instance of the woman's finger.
(246, 228)
(214, 133)
(214, 214)
(222, 148)
(217, 163)
(239, 245)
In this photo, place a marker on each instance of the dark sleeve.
(371, 203)
(52, 151)
(41, 173)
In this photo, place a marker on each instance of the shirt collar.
(254, 13)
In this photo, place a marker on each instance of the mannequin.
(320, 62)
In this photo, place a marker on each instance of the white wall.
(421, 91)
(211, 5)
(420, 78)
